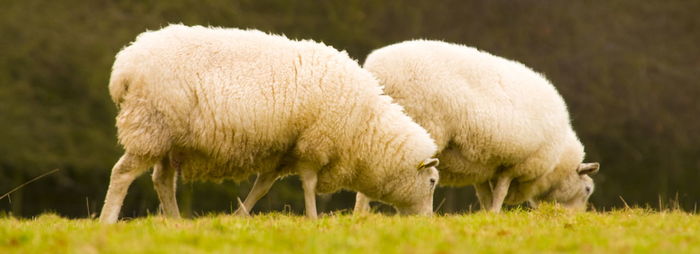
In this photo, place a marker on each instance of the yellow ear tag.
(420, 166)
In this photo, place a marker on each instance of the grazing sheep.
(498, 124)
(215, 103)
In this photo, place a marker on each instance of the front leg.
(485, 195)
(262, 185)
(499, 192)
(361, 204)
(309, 178)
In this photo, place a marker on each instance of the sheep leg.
(309, 180)
(499, 193)
(124, 172)
(262, 185)
(361, 204)
(165, 182)
(485, 195)
(533, 204)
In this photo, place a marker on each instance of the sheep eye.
(432, 181)
(588, 189)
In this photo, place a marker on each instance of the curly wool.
(227, 103)
(493, 116)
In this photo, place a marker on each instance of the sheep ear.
(588, 168)
(430, 162)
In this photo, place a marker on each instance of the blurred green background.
(628, 69)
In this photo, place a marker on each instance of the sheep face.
(573, 190)
(416, 197)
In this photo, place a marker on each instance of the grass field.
(546, 230)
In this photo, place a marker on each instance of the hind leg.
(165, 182)
(124, 172)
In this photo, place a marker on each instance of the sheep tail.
(118, 86)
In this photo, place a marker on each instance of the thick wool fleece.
(227, 103)
(492, 116)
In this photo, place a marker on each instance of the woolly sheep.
(215, 103)
(498, 124)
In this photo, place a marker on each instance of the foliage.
(627, 69)
(546, 230)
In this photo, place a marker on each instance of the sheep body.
(227, 103)
(492, 118)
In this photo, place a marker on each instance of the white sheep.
(221, 103)
(498, 124)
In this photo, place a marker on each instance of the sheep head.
(572, 188)
(416, 195)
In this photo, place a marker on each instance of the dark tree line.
(629, 71)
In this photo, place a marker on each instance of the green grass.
(549, 229)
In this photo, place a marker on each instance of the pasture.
(546, 230)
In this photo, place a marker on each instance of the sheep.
(224, 103)
(498, 125)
